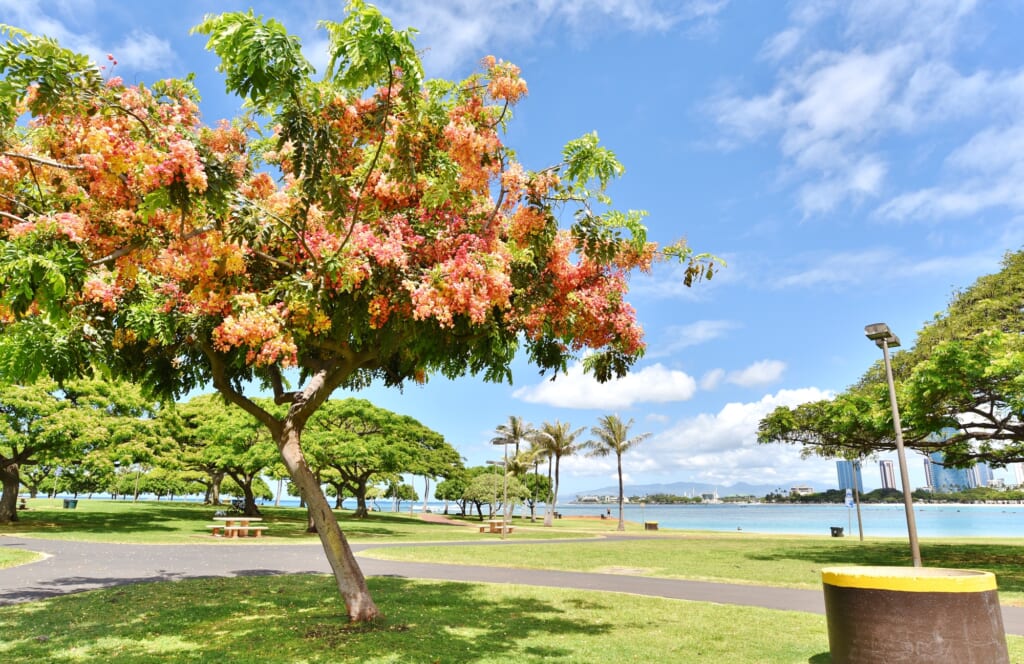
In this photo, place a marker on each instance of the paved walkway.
(77, 566)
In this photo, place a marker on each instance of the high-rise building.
(985, 474)
(1018, 472)
(888, 477)
(929, 481)
(850, 475)
(949, 480)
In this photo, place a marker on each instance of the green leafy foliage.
(962, 378)
(365, 51)
(59, 76)
(262, 62)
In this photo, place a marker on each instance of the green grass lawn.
(301, 618)
(11, 557)
(165, 522)
(758, 559)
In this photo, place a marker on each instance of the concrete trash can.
(913, 615)
(70, 503)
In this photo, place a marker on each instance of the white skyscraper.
(888, 476)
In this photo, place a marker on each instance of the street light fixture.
(885, 339)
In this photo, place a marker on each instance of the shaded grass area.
(165, 522)
(300, 619)
(766, 560)
(12, 557)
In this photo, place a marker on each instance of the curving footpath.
(71, 567)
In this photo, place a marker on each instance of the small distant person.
(609, 511)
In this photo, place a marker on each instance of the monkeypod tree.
(74, 427)
(357, 226)
(360, 443)
(963, 378)
(226, 439)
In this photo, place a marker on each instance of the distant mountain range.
(697, 488)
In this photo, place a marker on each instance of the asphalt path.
(71, 567)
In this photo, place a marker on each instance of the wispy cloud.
(856, 268)
(677, 337)
(144, 51)
(652, 384)
(141, 51)
(458, 32)
(835, 107)
(983, 173)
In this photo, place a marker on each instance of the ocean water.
(878, 520)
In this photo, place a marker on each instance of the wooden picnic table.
(495, 526)
(236, 526)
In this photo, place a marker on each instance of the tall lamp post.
(504, 466)
(885, 339)
(504, 477)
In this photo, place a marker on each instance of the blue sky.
(852, 162)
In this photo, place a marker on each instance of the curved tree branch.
(40, 160)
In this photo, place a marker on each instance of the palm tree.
(557, 441)
(612, 436)
(513, 433)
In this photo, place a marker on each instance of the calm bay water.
(878, 520)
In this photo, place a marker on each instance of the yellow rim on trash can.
(910, 579)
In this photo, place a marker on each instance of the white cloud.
(678, 337)
(757, 374)
(712, 379)
(652, 384)
(879, 265)
(994, 149)
(985, 172)
(717, 447)
(782, 44)
(665, 281)
(141, 51)
(835, 110)
(144, 51)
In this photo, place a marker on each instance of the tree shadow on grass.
(286, 619)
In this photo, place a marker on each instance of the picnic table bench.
(236, 526)
(495, 526)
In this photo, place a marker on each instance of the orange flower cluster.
(404, 225)
(258, 329)
(505, 83)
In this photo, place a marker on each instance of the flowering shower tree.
(364, 226)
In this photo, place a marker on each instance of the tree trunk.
(549, 507)
(250, 500)
(215, 479)
(9, 498)
(350, 579)
(554, 490)
(360, 491)
(622, 522)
